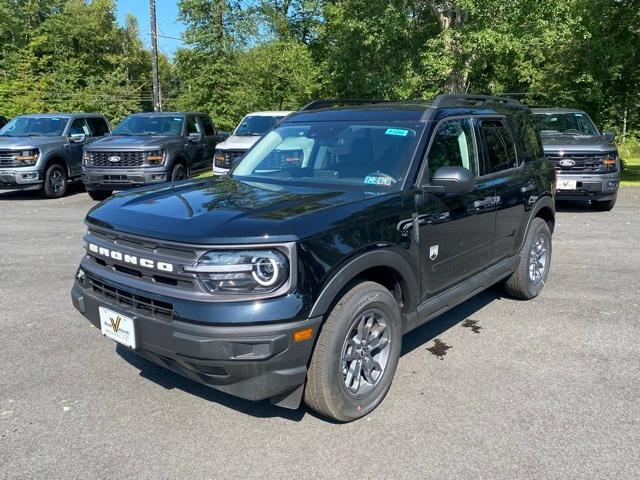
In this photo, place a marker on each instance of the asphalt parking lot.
(496, 388)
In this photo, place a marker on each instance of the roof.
(63, 115)
(402, 111)
(167, 114)
(272, 113)
(552, 110)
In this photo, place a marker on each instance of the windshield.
(255, 125)
(369, 156)
(35, 127)
(575, 123)
(162, 125)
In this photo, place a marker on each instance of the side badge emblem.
(433, 252)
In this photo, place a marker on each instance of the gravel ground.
(496, 388)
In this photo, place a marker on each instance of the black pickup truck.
(296, 275)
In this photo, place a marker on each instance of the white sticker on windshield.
(376, 180)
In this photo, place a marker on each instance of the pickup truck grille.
(127, 159)
(7, 158)
(583, 162)
(225, 158)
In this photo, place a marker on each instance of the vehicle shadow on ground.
(573, 206)
(73, 188)
(263, 409)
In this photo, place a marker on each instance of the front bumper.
(250, 361)
(20, 179)
(122, 178)
(598, 187)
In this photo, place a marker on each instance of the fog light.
(159, 176)
(29, 176)
(80, 275)
(613, 183)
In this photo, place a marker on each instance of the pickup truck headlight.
(242, 272)
(154, 158)
(27, 158)
(86, 158)
(609, 164)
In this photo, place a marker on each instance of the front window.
(162, 125)
(255, 125)
(364, 155)
(34, 127)
(575, 123)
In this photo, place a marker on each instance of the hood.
(238, 142)
(221, 209)
(577, 143)
(26, 143)
(124, 142)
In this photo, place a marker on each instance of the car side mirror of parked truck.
(453, 180)
(77, 138)
(194, 137)
(610, 136)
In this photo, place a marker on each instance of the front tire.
(178, 173)
(99, 195)
(356, 354)
(55, 181)
(603, 206)
(527, 281)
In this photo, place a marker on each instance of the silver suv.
(44, 151)
(147, 149)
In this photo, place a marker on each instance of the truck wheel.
(99, 195)
(178, 173)
(356, 354)
(55, 181)
(605, 206)
(535, 260)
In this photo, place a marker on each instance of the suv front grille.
(583, 162)
(127, 159)
(228, 156)
(140, 303)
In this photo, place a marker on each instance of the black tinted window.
(500, 151)
(192, 125)
(453, 146)
(208, 126)
(79, 126)
(98, 126)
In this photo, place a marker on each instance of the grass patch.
(205, 174)
(630, 154)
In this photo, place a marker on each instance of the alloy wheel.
(538, 259)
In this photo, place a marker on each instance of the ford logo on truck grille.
(114, 159)
(567, 162)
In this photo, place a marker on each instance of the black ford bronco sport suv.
(296, 275)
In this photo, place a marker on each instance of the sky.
(167, 19)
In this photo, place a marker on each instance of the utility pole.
(157, 99)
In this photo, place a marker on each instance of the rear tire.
(604, 206)
(356, 354)
(55, 181)
(99, 195)
(528, 279)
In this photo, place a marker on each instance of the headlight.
(154, 158)
(27, 158)
(243, 272)
(610, 163)
(86, 158)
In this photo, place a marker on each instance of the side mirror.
(77, 138)
(194, 137)
(451, 180)
(610, 136)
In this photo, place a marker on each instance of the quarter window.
(500, 150)
(453, 146)
(208, 126)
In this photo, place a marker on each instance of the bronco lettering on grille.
(131, 259)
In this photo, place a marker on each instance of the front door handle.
(527, 188)
(485, 202)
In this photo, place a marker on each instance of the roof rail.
(447, 100)
(338, 102)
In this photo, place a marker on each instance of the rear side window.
(78, 127)
(192, 125)
(208, 126)
(99, 126)
(499, 148)
(453, 145)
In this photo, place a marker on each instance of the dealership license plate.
(567, 184)
(117, 327)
